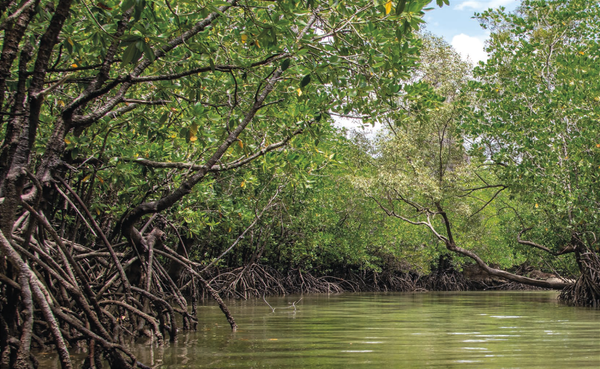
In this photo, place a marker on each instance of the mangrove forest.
(157, 154)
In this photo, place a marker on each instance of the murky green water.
(424, 330)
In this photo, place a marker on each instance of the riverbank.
(255, 281)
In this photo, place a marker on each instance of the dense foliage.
(126, 127)
(154, 153)
(535, 115)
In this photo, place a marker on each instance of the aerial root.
(586, 291)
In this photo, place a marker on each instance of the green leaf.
(219, 3)
(305, 81)
(285, 64)
(400, 7)
(183, 133)
(130, 54)
(139, 8)
(127, 4)
(148, 53)
(68, 43)
(163, 118)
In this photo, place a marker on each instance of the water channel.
(416, 330)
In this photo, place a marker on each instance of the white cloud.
(470, 47)
(482, 5)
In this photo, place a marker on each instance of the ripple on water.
(475, 348)
(506, 316)
(364, 331)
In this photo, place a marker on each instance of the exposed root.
(57, 293)
(586, 291)
(448, 280)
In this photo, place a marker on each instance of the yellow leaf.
(146, 39)
(70, 41)
(597, 145)
(61, 103)
(273, 339)
(193, 132)
(299, 92)
(229, 230)
(582, 53)
(74, 65)
(536, 206)
(388, 7)
(243, 184)
(257, 44)
(244, 39)
(86, 178)
(67, 141)
(98, 211)
(241, 144)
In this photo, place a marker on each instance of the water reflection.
(445, 330)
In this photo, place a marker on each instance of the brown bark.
(27, 279)
(451, 245)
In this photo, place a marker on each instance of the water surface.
(421, 330)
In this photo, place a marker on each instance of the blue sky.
(456, 25)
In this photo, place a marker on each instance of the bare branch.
(533, 244)
(146, 102)
(219, 68)
(489, 201)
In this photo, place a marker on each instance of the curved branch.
(145, 63)
(451, 245)
(556, 285)
(186, 187)
(220, 68)
(215, 168)
(533, 244)
(489, 201)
